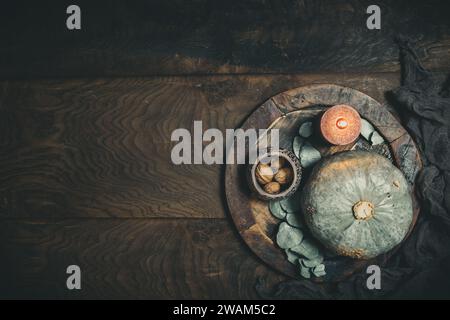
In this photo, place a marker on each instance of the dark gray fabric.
(421, 268)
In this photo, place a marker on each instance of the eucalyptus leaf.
(309, 155)
(307, 249)
(276, 209)
(366, 129)
(304, 271)
(320, 267)
(294, 220)
(319, 270)
(376, 139)
(288, 237)
(313, 262)
(297, 145)
(292, 256)
(306, 129)
(291, 204)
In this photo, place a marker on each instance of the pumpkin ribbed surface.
(358, 204)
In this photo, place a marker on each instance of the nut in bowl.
(275, 175)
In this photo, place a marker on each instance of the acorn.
(277, 163)
(284, 176)
(272, 187)
(264, 173)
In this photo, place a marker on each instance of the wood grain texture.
(101, 148)
(124, 259)
(160, 37)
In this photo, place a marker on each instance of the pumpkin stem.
(363, 210)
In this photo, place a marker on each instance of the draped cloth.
(421, 267)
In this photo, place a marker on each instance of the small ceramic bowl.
(286, 190)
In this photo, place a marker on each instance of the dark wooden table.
(86, 118)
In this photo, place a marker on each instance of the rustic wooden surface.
(85, 175)
(101, 148)
(129, 258)
(78, 182)
(160, 37)
(286, 111)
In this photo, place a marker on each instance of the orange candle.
(340, 125)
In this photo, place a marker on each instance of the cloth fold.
(421, 267)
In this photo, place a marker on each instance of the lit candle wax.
(340, 125)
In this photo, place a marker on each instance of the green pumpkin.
(358, 204)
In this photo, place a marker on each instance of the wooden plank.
(163, 37)
(124, 259)
(101, 148)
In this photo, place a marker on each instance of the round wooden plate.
(286, 111)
